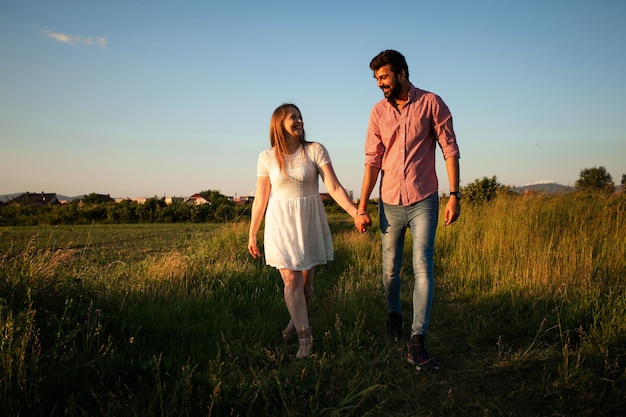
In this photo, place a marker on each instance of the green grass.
(178, 320)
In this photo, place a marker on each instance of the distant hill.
(544, 187)
(64, 197)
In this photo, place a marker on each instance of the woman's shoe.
(290, 332)
(305, 339)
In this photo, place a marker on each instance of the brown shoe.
(395, 326)
(418, 356)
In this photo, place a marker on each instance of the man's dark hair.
(394, 58)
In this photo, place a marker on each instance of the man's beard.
(393, 92)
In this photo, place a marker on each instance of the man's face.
(388, 82)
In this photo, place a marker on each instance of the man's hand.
(452, 211)
(362, 222)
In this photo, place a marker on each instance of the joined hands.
(362, 222)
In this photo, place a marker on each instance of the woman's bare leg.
(307, 278)
(295, 298)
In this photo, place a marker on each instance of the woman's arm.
(336, 190)
(261, 197)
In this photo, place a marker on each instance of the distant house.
(196, 200)
(36, 200)
(328, 197)
(106, 198)
(241, 200)
(170, 200)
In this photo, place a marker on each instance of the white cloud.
(73, 39)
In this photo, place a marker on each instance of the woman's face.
(293, 124)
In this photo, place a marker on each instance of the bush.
(483, 190)
(595, 179)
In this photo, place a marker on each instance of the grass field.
(529, 319)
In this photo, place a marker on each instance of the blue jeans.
(421, 218)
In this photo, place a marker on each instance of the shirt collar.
(413, 93)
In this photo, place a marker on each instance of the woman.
(297, 236)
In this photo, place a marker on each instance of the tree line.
(591, 180)
(93, 208)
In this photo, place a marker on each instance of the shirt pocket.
(420, 128)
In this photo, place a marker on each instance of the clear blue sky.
(144, 98)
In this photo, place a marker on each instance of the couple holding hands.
(403, 132)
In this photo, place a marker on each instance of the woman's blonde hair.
(277, 134)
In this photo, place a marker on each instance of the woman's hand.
(253, 248)
(362, 221)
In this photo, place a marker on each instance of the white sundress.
(297, 236)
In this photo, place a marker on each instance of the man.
(403, 131)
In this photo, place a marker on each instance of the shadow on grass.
(215, 348)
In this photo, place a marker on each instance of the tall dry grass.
(528, 319)
(545, 277)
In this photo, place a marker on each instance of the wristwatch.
(457, 194)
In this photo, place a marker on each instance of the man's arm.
(453, 207)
